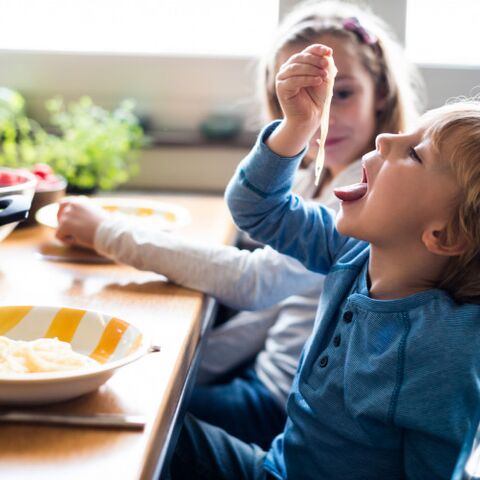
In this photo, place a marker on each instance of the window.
(181, 60)
(167, 27)
(443, 33)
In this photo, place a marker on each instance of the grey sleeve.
(238, 278)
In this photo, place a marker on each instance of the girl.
(373, 93)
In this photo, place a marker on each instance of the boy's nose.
(383, 142)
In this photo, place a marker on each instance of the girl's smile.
(333, 141)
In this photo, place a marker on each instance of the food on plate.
(140, 211)
(145, 212)
(40, 355)
(110, 208)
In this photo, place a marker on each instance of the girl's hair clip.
(353, 25)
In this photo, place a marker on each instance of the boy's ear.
(435, 240)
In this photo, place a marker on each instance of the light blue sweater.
(385, 389)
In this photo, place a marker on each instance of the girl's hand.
(78, 220)
(300, 84)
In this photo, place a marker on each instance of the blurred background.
(189, 66)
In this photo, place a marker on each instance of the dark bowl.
(45, 196)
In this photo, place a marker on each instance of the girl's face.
(352, 126)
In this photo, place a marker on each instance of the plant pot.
(74, 190)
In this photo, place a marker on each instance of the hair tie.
(353, 25)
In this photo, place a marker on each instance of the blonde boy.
(389, 381)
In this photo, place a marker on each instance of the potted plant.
(18, 133)
(19, 136)
(92, 148)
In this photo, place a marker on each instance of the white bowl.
(111, 341)
(167, 216)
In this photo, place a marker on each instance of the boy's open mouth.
(350, 193)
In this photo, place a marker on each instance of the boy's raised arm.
(259, 195)
(262, 204)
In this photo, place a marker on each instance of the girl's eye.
(342, 94)
(414, 155)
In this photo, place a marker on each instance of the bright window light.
(171, 27)
(443, 32)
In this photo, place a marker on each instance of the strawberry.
(42, 170)
(9, 178)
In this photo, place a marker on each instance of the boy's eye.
(414, 155)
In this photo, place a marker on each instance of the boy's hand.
(78, 220)
(300, 83)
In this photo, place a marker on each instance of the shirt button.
(348, 316)
(337, 339)
(324, 361)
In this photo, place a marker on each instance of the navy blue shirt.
(385, 389)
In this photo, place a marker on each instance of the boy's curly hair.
(454, 131)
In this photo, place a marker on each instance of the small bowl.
(54, 193)
(111, 341)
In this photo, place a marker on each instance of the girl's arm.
(239, 278)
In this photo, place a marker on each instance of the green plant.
(95, 147)
(18, 133)
(92, 147)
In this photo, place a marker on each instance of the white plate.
(109, 340)
(167, 215)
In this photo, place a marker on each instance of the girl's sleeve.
(234, 343)
(261, 202)
(239, 278)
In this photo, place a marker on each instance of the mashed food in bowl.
(41, 355)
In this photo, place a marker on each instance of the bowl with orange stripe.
(101, 341)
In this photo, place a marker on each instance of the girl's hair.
(454, 131)
(396, 81)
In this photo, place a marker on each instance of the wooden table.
(151, 386)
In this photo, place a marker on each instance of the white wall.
(177, 93)
(174, 92)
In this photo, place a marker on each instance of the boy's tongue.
(351, 193)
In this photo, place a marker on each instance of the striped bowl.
(110, 341)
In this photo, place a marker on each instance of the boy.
(389, 380)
